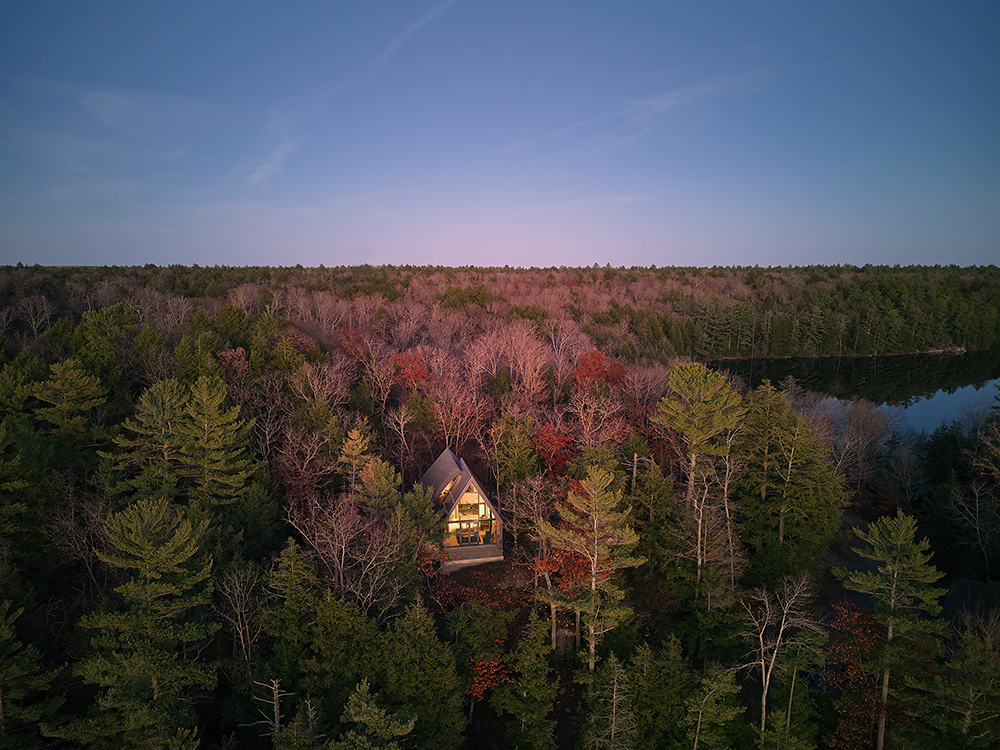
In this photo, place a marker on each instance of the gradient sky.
(520, 132)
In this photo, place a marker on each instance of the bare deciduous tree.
(34, 312)
(703, 539)
(397, 419)
(330, 525)
(458, 405)
(246, 297)
(365, 307)
(773, 619)
(163, 312)
(976, 508)
(905, 469)
(445, 329)
(408, 320)
(277, 303)
(379, 375)
(176, 310)
(859, 429)
(7, 316)
(78, 529)
(330, 310)
(299, 304)
(642, 388)
(528, 357)
(270, 411)
(485, 356)
(240, 589)
(326, 383)
(598, 417)
(360, 555)
(303, 459)
(373, 579)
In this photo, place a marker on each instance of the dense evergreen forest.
(212, 534)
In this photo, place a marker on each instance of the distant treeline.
(633, 314)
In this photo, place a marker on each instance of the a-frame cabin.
(473, 529)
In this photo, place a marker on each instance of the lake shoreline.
(951, 351)
(898, 380)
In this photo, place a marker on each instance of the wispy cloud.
(65, 130)
(638, 118)
(146, 114)
(283, 118)
(113, 110)
(379, 62)
(275, 163)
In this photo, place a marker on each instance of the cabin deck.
(469, 555)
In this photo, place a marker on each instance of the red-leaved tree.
(554, 446)
(412, 372)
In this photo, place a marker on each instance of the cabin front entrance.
(468, 532)
(472, 522)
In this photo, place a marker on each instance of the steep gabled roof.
(449, 468)
(441, 472)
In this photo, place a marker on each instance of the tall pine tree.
(594, 526)
(906, 601)
(529, 695)
(701, 408)
(144, 658)
(213, 445)
(792, 497)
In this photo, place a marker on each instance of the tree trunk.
(791, 694)
(699, 514)
(763, 716)
(880, 740)
(552, 615)
(729, 524)
(592, 637)
(691, 473)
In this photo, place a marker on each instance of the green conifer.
(906, 600)
(702, 407)
(595, 526)
(418, 678)
(377, 730)
(144, 659)
(213, 445)
(529, 695)
(25, 700)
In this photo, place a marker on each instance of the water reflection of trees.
(898, 380)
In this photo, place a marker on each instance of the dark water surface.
(931, 387)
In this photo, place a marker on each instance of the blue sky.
(520, 132)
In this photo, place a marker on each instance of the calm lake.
(932, 388)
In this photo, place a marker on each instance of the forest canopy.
(635, 313)
(212, 532)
